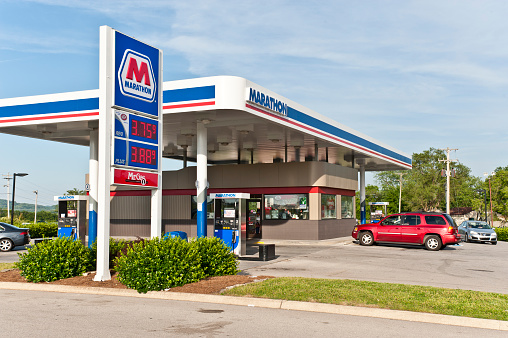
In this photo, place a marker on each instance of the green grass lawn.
(381, 295)
(4, 266)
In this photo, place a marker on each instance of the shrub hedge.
(502, 234)
(41, 230)
(216, 257)
(55, 259)
(159, 264)
(115, 248)
(146, 265)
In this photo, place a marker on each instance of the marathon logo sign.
(136, 77)
(266, 101)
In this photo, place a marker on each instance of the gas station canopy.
(245, 123)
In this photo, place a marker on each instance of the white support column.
(363, 212)
(106, 69)
(202, 179)
(93, 184)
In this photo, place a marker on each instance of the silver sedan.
(477, 231)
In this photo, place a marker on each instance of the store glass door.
(253, 218)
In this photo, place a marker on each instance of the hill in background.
(28, 206)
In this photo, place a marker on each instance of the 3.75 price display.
(142, 129)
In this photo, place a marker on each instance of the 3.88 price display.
(143, 155)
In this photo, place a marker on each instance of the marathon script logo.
(136, 178)
(267, 101)
(136, 77)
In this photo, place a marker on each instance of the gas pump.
(230, 220)
(72, 216)
(376, 215)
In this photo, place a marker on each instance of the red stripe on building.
(189, 105)
(41, 118)
(252, 191)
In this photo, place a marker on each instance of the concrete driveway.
(470, 266)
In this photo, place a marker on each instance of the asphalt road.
(48, 314)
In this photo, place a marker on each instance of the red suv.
(434, 230)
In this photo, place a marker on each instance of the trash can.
(173, 234)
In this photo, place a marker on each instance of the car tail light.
(24, 233)
(451, 230)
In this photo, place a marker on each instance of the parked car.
(11, 236)
(477, 231)
(433, 230)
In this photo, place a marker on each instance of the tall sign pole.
(130, 130)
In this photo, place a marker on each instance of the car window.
(479, 225)
(435, 220)
(411, 220)
(391, 220)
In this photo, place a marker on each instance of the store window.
(328, 206)
(347, 207)
(288, 206)
(194, 207)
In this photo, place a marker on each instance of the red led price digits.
(143, 155)
(143, 129)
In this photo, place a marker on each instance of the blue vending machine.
(230, 220)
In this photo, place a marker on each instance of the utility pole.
(8, 178)
(490, 194)
(400, 188)
(448, 161)
(36, 195)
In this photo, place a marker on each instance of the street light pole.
(8, 185)
(36, 195)
(13, 192)
(400, 188)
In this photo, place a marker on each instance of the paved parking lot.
(471, 266)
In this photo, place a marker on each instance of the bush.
(216, 257)
(115, 248)
(55, 259)
(502, 234)
(42, 230)
(158, 264)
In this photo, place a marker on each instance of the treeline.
(28, 216)
(27, 206)
(424, 187)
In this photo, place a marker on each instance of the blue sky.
(411, 74)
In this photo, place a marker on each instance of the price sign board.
(136, 141)
(137, 117)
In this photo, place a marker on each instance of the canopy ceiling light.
(224, 139)
(245, 129)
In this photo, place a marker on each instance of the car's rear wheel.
(433, 243)
(493, 243)
(6, 244)
(366, 238)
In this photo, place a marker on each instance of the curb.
(421, 317)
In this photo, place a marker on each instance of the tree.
(499, 186)
(425, 189)
(75, 191)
